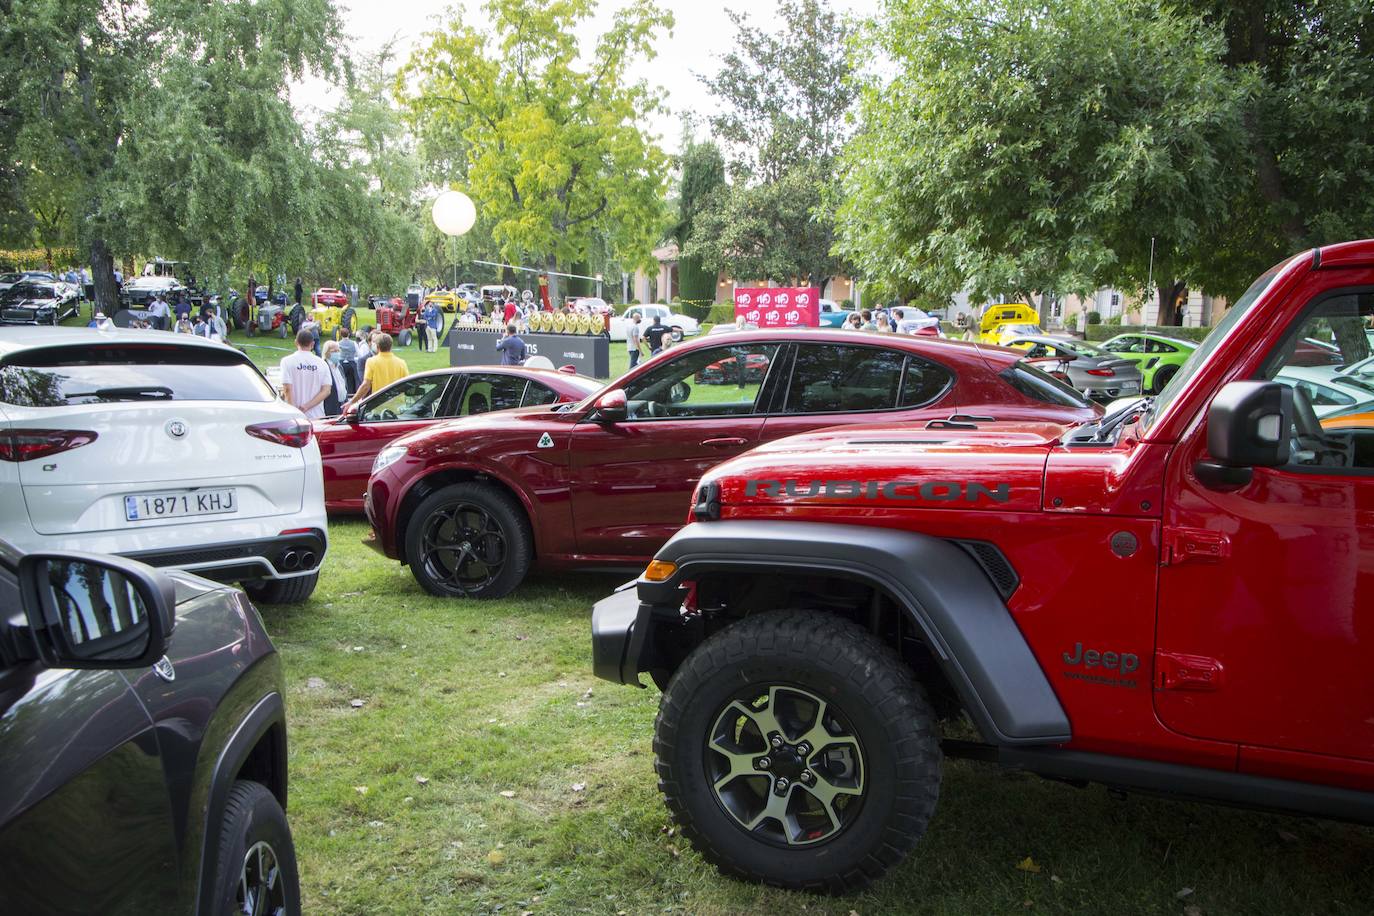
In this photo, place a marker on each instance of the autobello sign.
(779, 306)
(589, 353)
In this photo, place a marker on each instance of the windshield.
(1212, 341)
(28, 291)
(1082, 348)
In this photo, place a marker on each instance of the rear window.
(1040, 386)
(63, 376)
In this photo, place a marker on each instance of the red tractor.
(397, 317)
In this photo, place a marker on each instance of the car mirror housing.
(89, 611)
(1248, 426)
(612, 406)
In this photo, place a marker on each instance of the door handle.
(725, 442)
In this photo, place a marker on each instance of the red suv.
(1174, 598)
(471, 505)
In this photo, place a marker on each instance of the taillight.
(1103, 372)
(295, 433)
(28, 444)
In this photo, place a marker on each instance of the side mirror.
(1248, 427)
(353, 414)
(96, 611)
(612, 406)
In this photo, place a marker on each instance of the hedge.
(1101, 332)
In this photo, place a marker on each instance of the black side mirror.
(612, 406)
(96, 611)
(1248, 427)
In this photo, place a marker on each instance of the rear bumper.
(281, 557)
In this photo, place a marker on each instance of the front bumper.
(624, 631)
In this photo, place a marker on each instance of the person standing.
(348, 363)
(383, 368)
(158, 312)
(305, 379)
(634, 340)
(333, 358)
(512, 349)
(364, 352)
(431, 318)
(655, 334)
(300, 291)
(510, 311)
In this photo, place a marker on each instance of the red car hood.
(999, 466)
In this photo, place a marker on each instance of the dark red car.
(349, 443)
(327, 295)
(472, 505)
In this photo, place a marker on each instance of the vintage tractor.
(397, 317)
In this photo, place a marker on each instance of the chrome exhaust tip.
(307, 559)
(289, 560)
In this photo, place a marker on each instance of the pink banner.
(779, 306)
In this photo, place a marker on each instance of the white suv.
(167, 448)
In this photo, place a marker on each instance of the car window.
(1159, 346)
(1124, 345)
(536, 394)
(1035, 350)
(486, 392)
(413, 399)
(714, 382)
(840, 379)
(63, 376)
(923, 381)
(1041, 386)
(1343, 404)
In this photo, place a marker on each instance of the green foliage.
(551, 149)
(1071, 322)
(721, 313)
(703, 175)
(1094, 317)
(1112, 320)
(1030, 145)
(1099, 332)
(166, 126)
(784, 96)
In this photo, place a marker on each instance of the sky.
(701, 35)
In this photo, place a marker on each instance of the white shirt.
(307, 375)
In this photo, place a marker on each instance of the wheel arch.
(441, 477)
(944, 598)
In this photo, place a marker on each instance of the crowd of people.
(345, 371)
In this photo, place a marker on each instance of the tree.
(1042, 145)
(168, 123)
(784, 97)
(554, 157)
(703, 175)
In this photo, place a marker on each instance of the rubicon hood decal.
(895, 490)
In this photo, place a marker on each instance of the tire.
(491, 565)
(253, 834)
(793, 660)
(404, 337)
(676, 334)
(282, 591)
(1162, 376)
(346, 319)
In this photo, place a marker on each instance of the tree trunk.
(102, 275)
(1043, 308)
(551, 265)
(1170, 312)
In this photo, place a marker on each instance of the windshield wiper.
(128, 393)
(1140, 407)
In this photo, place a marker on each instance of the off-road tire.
(252, 815)
(1162, 377)
(857, 675)
(282, 591)
(514, 527)
(347, 318)
(404, 337)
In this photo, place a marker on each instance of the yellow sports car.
(999, 322)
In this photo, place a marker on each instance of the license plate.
(145, 506)
(1129, 386)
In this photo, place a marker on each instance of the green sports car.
(1158, 357)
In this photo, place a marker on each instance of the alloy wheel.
(463, 547)
(261, 891)
(785, 765)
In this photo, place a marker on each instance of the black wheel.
(347, 318)
(256, 874)
(795, 749)
(468, 540)
(404, 338)
(1162, 377)
(297, 318)
(282, 591)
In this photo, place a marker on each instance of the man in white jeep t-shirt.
(305, 378)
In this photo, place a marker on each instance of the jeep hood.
(998, 466)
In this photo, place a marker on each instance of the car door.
(633, 480)
(400, 408)
(85, 814)
(840, 385)
(1266, 601)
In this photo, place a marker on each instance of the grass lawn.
(539, 797)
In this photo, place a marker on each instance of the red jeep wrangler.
(1178, 597)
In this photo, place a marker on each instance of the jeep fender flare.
(939, 586)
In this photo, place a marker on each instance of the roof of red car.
(1347, 254)
(915, 343)
(564, 382)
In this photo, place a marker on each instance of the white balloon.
(454, 213)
